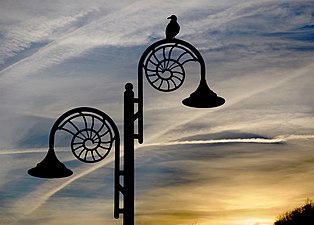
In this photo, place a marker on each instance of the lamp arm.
(167, 47)
(65, 118)
(87, 114)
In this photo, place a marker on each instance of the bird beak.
(169, 18)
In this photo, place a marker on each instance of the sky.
(242, 163)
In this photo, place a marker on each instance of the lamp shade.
(50, 167)
(203, 97)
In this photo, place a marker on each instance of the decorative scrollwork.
(164, 65)
(92, 134)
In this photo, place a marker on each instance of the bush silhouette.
(303, 215)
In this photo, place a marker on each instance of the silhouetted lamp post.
(94, 133)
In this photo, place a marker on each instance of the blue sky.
(242, 163)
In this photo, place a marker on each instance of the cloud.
(22, 31)
(198, 184)
(244, 108)
(106, 30)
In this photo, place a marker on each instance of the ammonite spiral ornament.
(164, 66)
(92, 135)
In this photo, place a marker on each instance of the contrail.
(27, 151)
(221, 141)
(275, 140)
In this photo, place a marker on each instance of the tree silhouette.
(303, 215)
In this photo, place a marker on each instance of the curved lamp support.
(93, 133)
(163, 65)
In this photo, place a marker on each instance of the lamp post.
(94, 133)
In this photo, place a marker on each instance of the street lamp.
(94, 133)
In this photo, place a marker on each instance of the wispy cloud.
(106, 30)
(136, 30)
(244, 93)
(28, 30)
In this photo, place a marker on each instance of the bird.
(172, 28)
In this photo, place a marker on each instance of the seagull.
(172, 28)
